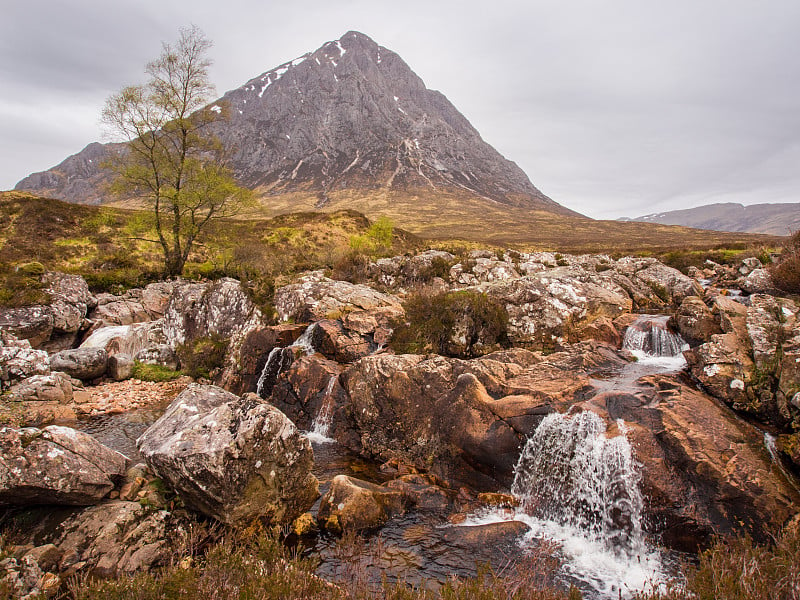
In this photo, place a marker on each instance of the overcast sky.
(613, 107)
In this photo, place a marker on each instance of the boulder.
(161, 354)
(135, 306)
(695, 321)
(723, 366)
(332, 340)
(19, 361)
(120, 366)
(353, 504)
(55, 465)
(401, 271)
(234, 459)
(719, 460)
(81, 363)
(54, 387)
(316, 297)
(757, 281)
(305, 386)
(749, 265)
(70, 300)
(116, 538)
(656, 284)
(440, 414)
(32, 323)
(221, 308)
(547, 306)
(127, 339)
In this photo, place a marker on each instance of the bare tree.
(172, 159)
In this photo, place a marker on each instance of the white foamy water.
(601, 572)
(280, 359)
(321, 425)
(649, 335)
(579, 488)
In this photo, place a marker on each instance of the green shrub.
(157, 373)
(31, 269)
(203, 357)
(431, 321)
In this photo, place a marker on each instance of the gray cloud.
(615, 108)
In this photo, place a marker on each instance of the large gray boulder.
(550, 305)
(220, 308)
(81, 363)
(135, 306)
(316, 297)
(234, 459)
(55, 465)
(31, 323)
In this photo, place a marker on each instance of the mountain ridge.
(769, 218)
(351, 115)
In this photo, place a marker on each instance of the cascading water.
(571, 473)
(580, 488)
(280, 359)
(321, 425)
(648, 338)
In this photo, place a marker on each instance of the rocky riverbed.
(444, 433)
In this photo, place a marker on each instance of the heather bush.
(463, 324)
(786, 273)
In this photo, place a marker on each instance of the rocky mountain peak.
(351, 115)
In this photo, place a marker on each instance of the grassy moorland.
(106, 244)
(447, 215)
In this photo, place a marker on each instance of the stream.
(590, 514)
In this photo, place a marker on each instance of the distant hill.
(772, 219)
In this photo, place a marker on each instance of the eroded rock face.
(353, 504)
(316, 297)
(55, 465)
(242, 376)
(232, 458)
(463, 420)
(135, 306)
(81, 363)
(115, 538)
(70, 302)
(54, 387)
(694, 449)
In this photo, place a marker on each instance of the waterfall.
(280, 359)
(570, 473)
(649, 335)
(321, 425)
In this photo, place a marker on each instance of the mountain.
(347, 123)
(772, 219)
